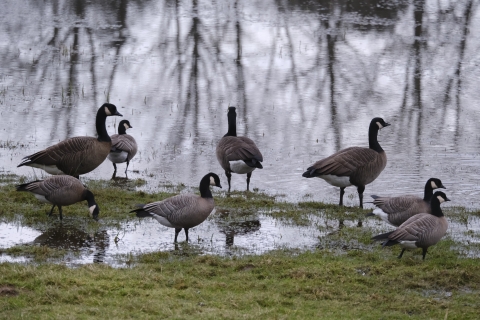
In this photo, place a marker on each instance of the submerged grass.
(345, 277)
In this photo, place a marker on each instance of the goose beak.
(117, 114)
(219, 185)
(442, 186)
(446, 199)
(386, 124)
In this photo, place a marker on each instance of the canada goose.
(353, 166)
(184, 210)
(237, 154)
(124, 146)
(77, 155)
(397, 210)
(61, 190)
(421, 230)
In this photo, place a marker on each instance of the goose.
(421, 230)
(61, 190)
(396, 210)
(237, 154)
(124, 146)
(353, 166)
(183, 211)
(77, 155)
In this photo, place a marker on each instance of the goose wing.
(124, 142)
(238, 148)
(63, 152)
(186, 210)
(344, 163)
(417, 228)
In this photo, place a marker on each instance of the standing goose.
(397, 210)
(78, 155)
(353, 166)
(421, 230)
(61, 191)
(237, 154)
(183, 211)
(124, 146)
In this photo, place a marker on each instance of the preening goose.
(184, 210)
(421, 230)
(353, 166)
(61, 190)
(124, 146)
(78, 155)
(237, 154)
(397, 210)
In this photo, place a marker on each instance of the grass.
(345, 277)
(277, 285)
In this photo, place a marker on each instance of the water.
(306, 77)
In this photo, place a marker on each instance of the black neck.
(428, 193)
(232, 125)
(100, 125)
(205, 187)
(435, 205)
(121, 129)
(88, 195)
(372, 137)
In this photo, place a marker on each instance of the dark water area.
(306, 77)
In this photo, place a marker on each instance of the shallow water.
(221, 234)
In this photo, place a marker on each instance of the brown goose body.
(183, 211)
(237, 154)
(421, 230)
(61, 190)
(74, 156)
(397, 210)
(78, 155)
(355, 166)
(123, 142)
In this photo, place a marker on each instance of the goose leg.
(177, 231)
(360, 194)
(424, 252)
(186, 232)
(342, 192)
(51, 211)
(248, 180)
(229, 177)
(60, 209)
(401, 253)
(128, 162)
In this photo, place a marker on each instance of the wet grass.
(345, 277)
(278, 285)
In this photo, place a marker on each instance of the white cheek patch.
(434, 185)
(107, 112)
(379, 125)
(91, 209)
(126, 126)
(212, 181)
(440, 198)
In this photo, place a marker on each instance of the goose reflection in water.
(234, 228)
(71, 238)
